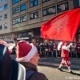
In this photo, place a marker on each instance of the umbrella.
(62, 27)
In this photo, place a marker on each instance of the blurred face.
(35, 59)
(65, 43)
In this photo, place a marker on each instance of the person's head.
(27, 52)
(64, 43)
(34, 42)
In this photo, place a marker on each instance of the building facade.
(5, 19)
(28, 15)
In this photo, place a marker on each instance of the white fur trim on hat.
(28, 57)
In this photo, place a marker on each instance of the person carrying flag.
(65, 48)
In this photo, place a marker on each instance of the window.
(16, 21)
(19, 35)
(13, 21)
(5, 6)
(45, 0)
(5, 26)
(79, 2)
(0, 27)
(5, 16)
(34, 15)
(76, 3)
(15, 9)
(15, 1)
(22, 7)
(1, 8)
(62, 7)
(23, 18)
(0, 18)
(33, 3)
(49, 11)
(2, 0)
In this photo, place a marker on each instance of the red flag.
(63, 26)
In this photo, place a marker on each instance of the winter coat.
(37, 75)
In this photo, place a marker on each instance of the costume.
(65, 48)
(65, 55)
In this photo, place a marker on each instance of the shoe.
(60, 69)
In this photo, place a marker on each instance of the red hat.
(25, 51)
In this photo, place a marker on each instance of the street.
(54, 74)
(49, 68)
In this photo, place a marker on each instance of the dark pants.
(46, 53)
(54, 53)
(58, 53)
(73, 54)
(78, 54)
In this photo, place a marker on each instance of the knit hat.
(25, 51)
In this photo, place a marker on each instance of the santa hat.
(25, 51)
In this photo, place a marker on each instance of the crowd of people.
(24, 67)
(50, 49)
(47, 49)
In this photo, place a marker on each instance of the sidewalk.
(54, 62)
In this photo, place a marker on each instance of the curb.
(74, 67)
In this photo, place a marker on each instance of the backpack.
(29, 74)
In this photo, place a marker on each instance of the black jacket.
(37, 75)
